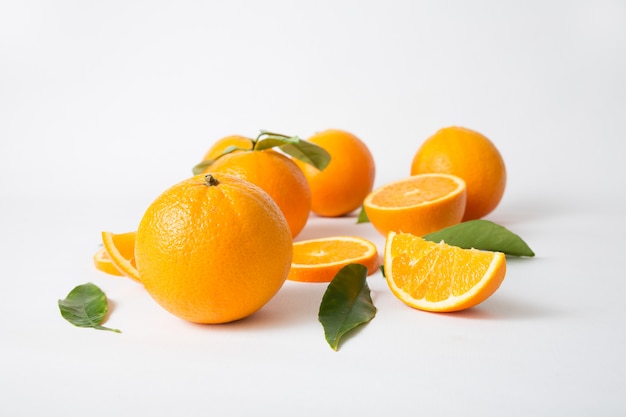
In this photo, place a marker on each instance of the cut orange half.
(103, 262)
(440, 277)
(319, 260)
(121, 249)
(419, 204)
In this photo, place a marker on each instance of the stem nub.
(210, 180)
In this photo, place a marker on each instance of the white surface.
(105, 104)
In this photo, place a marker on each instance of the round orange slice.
(103, 262)
(419, 204)
(439, 277)
(319, 260)
(121, 249)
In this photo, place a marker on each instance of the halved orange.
(319, 260)
(103, 262)
(439, 277)
(121, 249)
(419, 204)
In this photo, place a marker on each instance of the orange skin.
(471, 156)
(213, 249)
(341, 187)
(276, 174)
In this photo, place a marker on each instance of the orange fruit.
(103, 263)
(341, 187)
(439, 277)
(471, 156)
(319, 260)
(221, 145)
(213, 248)
(121, 249)
(276, 174)
(419, 204)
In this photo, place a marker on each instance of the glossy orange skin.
(341, 187)
(473, 157)
(213, 253)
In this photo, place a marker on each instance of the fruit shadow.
(503, 308)
(294, 304)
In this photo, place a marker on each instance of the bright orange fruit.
(213, 248)
(471, 156)
(121, 249)
(439, 277)
(103, 263)
(319, 260)
(341, 187)
(276, 174)
(419, 204)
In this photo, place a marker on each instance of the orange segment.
(440, 277)
(121, 249)
(419, 204)
(103, 262)
(319, 260)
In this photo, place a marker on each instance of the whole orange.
(276, 174)
(213, 248)
(473, 157)
(341, 187)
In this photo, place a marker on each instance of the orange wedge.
(440, 277)
(103, 262)
(121, 249)
(319, 260)
(419, 204)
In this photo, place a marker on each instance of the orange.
(276, 174)
(471, 156)
(121, 249)
(221, 145)
(213, 248)
(319, 260)
(438, 277)
(103, 262)
(341, 187)
(419, 204)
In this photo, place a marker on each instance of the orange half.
(121, 249)
(440, 277)
(419, 204)
(319, 260)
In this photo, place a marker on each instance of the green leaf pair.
(303, 150)
(346, 304)
(85, 306)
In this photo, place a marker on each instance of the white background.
(103, 105)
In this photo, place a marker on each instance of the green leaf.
(482, 234)
(274, 141)
(85, 306)
(308, 152)
(199, 168)
(346, 304)
(362, 216)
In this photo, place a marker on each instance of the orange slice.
(103, 262)
(121, 249)
(440, 277)
(419, 204)
(319, 260)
